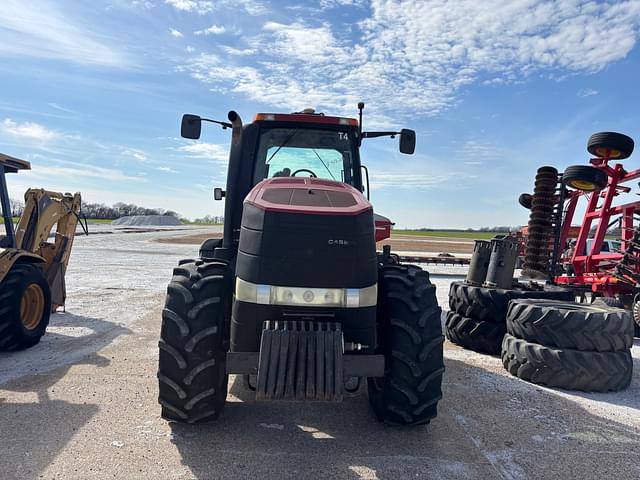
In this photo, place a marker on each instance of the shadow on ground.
(36, 429)
(511, 430)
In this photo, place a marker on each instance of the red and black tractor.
(295, 297)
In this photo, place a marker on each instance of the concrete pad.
(83, 404)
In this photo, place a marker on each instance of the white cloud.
(41, 30)
(341, 3)
(176, 33)
(241, 52)
(587, 92)
(416, 56)
(60, 108)
(136, 153)
(212, 30)
(28, 130)
(65, 169)
(167, 169)
(200, 7)
(211, 151)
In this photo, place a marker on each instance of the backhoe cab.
(294, 296)
(32, 269)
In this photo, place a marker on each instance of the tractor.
(294, 298)
(32, 269)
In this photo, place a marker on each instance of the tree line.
(100, 211)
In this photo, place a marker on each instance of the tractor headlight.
(303, 296)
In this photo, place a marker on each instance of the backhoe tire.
(597, 328)
(208, 247)
(410, 337)
(25, 307)
(194, 341)
(614, 145)
(585, 178)
(565, 368)
(477, 335)
(490, 304)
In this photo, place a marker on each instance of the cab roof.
(305, 117)
(12, 164)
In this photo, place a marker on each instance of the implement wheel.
(410, 337)
(25, 307)
(194, 342)
(610, 145)
(585, 178)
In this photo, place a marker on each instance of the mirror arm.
(379, 134)
(224, 125)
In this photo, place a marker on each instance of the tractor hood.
(307, 232)
(307, 195)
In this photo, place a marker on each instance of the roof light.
(306, 118)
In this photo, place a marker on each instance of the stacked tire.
(569, 345)
(477, 319)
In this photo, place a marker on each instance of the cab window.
(305, 152)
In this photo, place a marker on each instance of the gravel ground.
(82, 404)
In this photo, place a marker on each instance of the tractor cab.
(8, 165)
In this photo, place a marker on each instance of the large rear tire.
(410, 337)
(476, 335)
(194, 342)
(490, 304)
(25, 307)
(565, 368)
(597, 328)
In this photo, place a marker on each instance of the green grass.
(191, 222)
(447, 233)
(99, 220)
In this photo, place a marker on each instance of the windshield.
(305, 152)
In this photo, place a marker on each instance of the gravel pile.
(146, 220)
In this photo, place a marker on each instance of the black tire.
(525, 200)
(597, 328)
(476, 335)
(410, 337)
(610, 144)
(14, 334)
(585, 178)
(490, 304)
(194, 341)
(570, 369)
(609, 302)
(208, 247)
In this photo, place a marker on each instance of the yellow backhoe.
(32, 268)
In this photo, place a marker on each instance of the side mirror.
(218, 193)
(191, 126)
(407, 141)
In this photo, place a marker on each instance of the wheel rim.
(582, 185)
(608, 152)
(32, 306)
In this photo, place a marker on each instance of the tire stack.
(477, 319)
(569, 345)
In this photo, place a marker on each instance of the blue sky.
(92, 93)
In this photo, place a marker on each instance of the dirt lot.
(404, 243)
(82, 404)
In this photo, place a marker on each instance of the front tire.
(194, 342)
(410, 337)
(25, 307)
